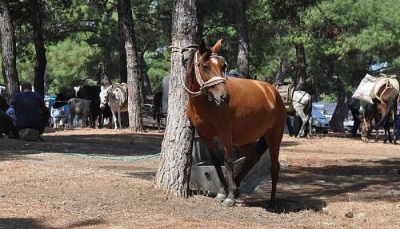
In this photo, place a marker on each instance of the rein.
(209, 83)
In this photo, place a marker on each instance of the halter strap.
(209, 83)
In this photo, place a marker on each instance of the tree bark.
(122, 55)
(40, 63)
(301, 66)
(173, 173)
(145, 82)
(282, 71)
(341, 109)
(243, 38)
(132, 65)
(9, 66)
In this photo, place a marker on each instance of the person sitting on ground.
(11, 112)
(6, 125)
(30, 110)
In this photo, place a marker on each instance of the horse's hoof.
(228, 202)
(220, 197)
(271, 205)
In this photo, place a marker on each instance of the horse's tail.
(309, 114)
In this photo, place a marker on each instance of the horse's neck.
(200, 104)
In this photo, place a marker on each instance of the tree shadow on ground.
(102, 145)
(30, 223)
(306, 188)
(18, 223)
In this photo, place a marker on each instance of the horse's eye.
(206, 68)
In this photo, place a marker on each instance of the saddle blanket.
(364, 89)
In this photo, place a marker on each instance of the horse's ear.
(217, 46)
(202, 47)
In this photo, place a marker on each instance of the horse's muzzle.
(102, 106)
(223, 99)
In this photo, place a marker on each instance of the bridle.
(214, 80)
(104, 94)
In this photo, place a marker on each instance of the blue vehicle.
(320, 124)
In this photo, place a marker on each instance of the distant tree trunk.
(283, 68)
(145, 82)
(132, 65)
(341, 109)
(173, 173)
(8, 53)
(102, 73)
(40, 63)
(243, 38)
(122, 56)
(301, 65)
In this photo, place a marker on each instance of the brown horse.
(382, 111)
(236, 111)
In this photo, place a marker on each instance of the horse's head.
(209, 69)
(104, 96)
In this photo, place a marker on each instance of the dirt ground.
(86, 178)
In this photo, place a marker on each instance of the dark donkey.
(382, 111)
(157, 108)
(89, 93)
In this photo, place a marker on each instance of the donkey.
(116, 97)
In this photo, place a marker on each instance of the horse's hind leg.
(274, 139)
(251, 158)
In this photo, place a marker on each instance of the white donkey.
(117, 98)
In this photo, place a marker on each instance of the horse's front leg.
(209, 142)
(119, 118)
(115, 121)
(229, 166)
(376, 134)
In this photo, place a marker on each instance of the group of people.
(27, 112)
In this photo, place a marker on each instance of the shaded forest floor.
(86, 178)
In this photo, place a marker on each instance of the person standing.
(30, 110)
(354, 106)
(397, 131)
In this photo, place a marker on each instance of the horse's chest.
(206, 117)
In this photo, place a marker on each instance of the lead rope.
(181, 51)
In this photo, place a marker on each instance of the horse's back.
(255, 108)
(254, 94)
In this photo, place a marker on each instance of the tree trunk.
(341, 109)
(122, 55)
(145, 82)
(40, 63)
(301, 66)
(173, 173)
(132, 65)
(9, 66)
(102, 73)
(282, 71)
(243, 38)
